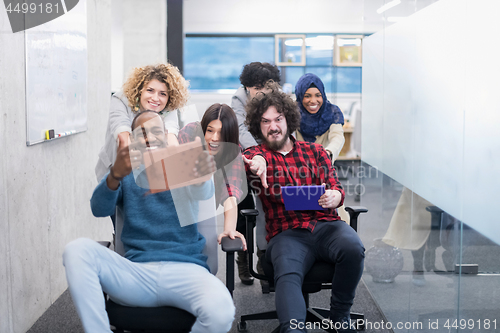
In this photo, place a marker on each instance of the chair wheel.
(242, 326)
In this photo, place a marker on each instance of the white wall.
(138, 36)
(261, 16)
(430, 107)
(45, 188)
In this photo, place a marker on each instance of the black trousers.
(294, 251)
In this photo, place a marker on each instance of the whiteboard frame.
(56, 91)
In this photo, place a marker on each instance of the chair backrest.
(207, 227)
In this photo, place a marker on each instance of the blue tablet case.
(302, 197)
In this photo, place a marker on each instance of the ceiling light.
(388, 5)
(294, 42)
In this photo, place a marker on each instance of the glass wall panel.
(319, 50)
(290, 49)
(212, 63)
(429, 125)
(325, 74)
(346, 80)
(479, 298)
(292, 75)
(217, 62)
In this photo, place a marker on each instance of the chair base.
(314, 315)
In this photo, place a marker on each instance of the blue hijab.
(312, 125)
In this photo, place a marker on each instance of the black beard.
(277, 145)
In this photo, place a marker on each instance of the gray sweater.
(238, 103)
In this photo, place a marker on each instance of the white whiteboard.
(56, 76)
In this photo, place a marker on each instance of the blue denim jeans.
(293, 253)
(91, 269)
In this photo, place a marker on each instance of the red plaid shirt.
(228, 181)
(306, 164)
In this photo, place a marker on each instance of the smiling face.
(213, 136)
(154, 96)
(149, 131)
(312, 100)
(274, 128)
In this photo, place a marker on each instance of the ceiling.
(293, 16)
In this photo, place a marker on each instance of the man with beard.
(296, 239)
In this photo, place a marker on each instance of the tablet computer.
(302, 197)
(172, 167)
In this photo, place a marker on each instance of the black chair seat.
(320, 274)
(157, 319)
(165, 319)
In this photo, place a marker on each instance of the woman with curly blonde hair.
(160, 88)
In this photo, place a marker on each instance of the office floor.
(61, 317)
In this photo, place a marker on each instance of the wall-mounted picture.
(290, 50)
(348, 51)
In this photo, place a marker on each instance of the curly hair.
(256, 74)
(283, 103)
(165, 73)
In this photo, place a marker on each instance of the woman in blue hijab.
(321, 121)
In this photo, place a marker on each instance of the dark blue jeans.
(294, 251)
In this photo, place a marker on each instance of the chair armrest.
(434, 209)
(250, 215)
(250, 221)
(231, 245)
(354, 212)
(105, 243)
(249, 212)
(356, 209)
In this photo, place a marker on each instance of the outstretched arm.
(107, 193)
(335, 140)
(171, 121)
(230, 220)
(258, 166)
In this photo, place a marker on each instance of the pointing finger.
(263, 179)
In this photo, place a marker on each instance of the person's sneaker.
(343, 324)
(243, 270)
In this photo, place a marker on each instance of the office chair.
(168, 319)
(319, 277)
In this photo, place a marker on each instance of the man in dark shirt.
(299, 238)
